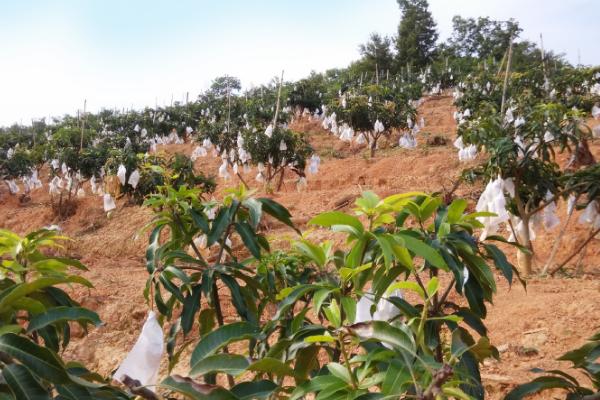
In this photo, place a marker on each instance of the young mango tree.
(318, 320)
(524, 176)
(37, 315)
(372, 111)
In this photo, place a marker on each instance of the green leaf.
(319, 339)
(407, 285)
(333, 313)
(386, 243)
(277, 211)
(456, 210)
(333, 218)
(312, 251)
(272, 366)
(254, 390)
(320, 384)
(255, 210)
(10, 295)
(455, 393)
(39, 360)
(349, 307)
(22, 384)
(292, 297)
(200, 220)
(154, 249)
(220, 338)
(191, 305)
(349, 273)
(340, 371)
(219, 225)
(385, 332)
(500, 261)
(196, 391)
(432, 286)
(249, 238)
(63, 314)
(538, 385)
(232, 364)
(319, 297)
(424, 250)
(428, 207)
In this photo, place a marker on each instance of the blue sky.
(123, 53)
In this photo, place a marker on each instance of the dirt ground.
(530, 327)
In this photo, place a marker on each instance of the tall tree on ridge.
(417, 34)
(377, 53)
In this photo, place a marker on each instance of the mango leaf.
(220, 338)
(292, 297)
(232, 364)
(255, 211)
(319, 384)
(272, 366)
(319, 339)
(538, 385)
(191, 305)
(424, 250)
(312, 251)
(63, 314)
(456, 210)
(196, 391)
(407, 285)
(349, 307)
(154, 249)
(277, 211)
(219, 225)
(385, 332)
(13, 293)
(254, 390)
(349, 273)
(22, 384)
(249, 238)
(339, 371)
(200, 220)
(336, 218)
(39, 360)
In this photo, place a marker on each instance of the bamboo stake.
(544, 69)
(508, 62)
(278, 100)
(82, 126)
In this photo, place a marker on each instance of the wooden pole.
(82, 125)
(228, 106)
(278, 99)
(506, 75)
(543, 59)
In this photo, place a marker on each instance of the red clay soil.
(531, 328)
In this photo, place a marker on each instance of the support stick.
(82, 126)
(278, 100)
(508, 62)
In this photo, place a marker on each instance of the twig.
(569, 258)
(557, 243)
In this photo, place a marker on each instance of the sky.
(134, 53)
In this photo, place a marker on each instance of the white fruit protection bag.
(143, 361)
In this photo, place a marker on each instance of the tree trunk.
(525, 260)
(373, 147)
